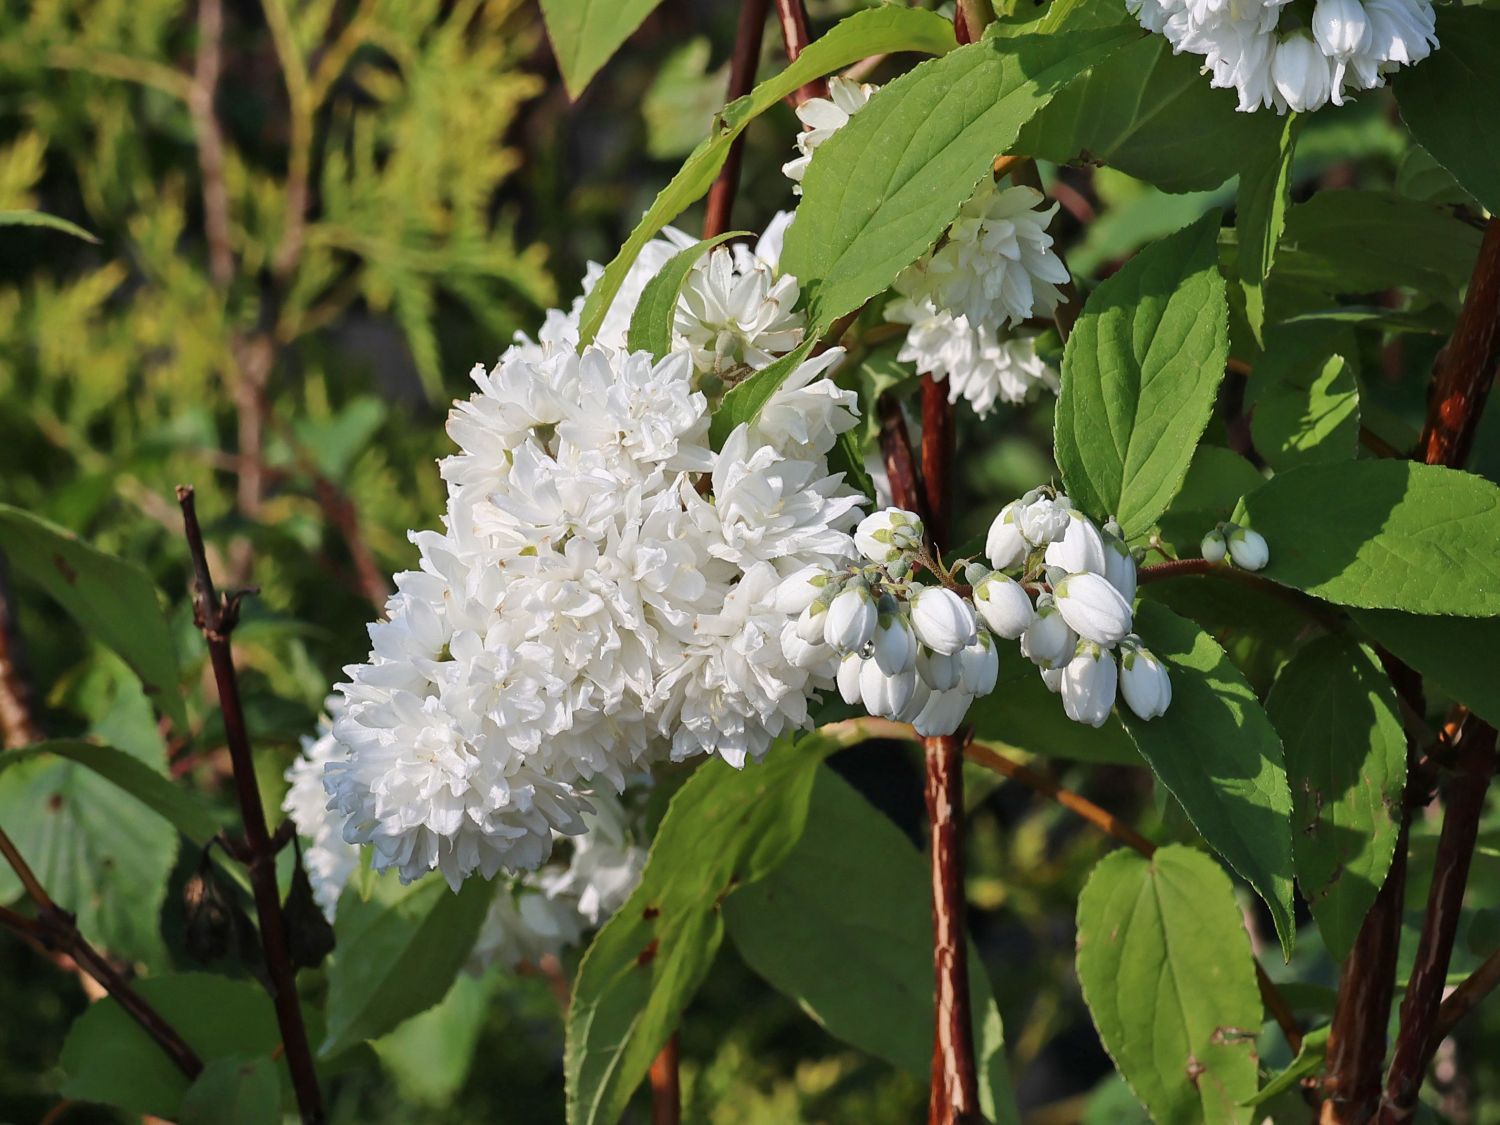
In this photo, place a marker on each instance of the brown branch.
(216, 616)
(211, 141)
(55, 930)
(900, 461)
(1416, 1042)
(1467, 367)
(747, 40)
(1126, 834)
(666, 1092)
(18, 727)
(792, 15)
(300, 108)
(938, 437)
(1466, 997)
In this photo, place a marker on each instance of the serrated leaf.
(1140, 373)
(1167, 974)
(724, 829)
(843, 927)
(1148, 113)
(651, 323)
(585, 33)
(107, 1058)
(113, 600)
(1338, 718)
(1448, 100)
(1383, 534)
(234, 1090)
(398, 949)
(872, 32)
(42, 219)
(1461, 655)
(743, 403)
(881, 190)
(1260, 216)
(90, 847)
(430, 1055)
(1304, 397)
(1218, 754)
(1217, 479)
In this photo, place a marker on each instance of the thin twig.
(300, 117)
(666, 1092)
(1126, 834)
(211, 141)
(54, 929)
(1466, 997)
(216, 616)
(955, 1084)
(18, 726)
(747, 41)
(792, 15)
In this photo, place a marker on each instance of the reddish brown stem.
(666, 1093)
(937, 455)
(1463, 999)
(955, 1086)
(747, 40)
(216, 616)
(1415, 1042)
(792, 15)
(900, 462)
(55, 930)
(1467, 367)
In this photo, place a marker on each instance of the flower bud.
(1092, 608)
(895, 646)
(1005, 547)
(798, 653)
(1341, 28)
(1052, 677)
(1088, 685)
(1214, 547)
(801, 589)
(943, 620)
(810, 622)
(918, 701)
(1119, 563)
(1248, 549)
(1004, 605)
(886, 535)
(851, 619)
(1080, 549)
(848, 677)
(1302, 74)
(979, 665)
(1143, 679)
(1044, 520)
(884, 695)
(938, 670)
(1048, 641)
(943, 713)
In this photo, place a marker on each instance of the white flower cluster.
(1247, 549)
(1265, 51)
(823, 117)
(537, 914)
(601, 594)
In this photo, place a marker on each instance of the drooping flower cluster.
(600, 595)
(534, 915)
(1268, 54)
(1247, 549)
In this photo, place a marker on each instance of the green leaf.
(90, 847)
(1140, 373)
(430, 1055)
(1218, 754)
(847, 457)
(1167, 974)
(585, 33)
(1448, 100)
(398, 949)
(1217, 479)
(42, 219)
(234, 1090)
(1023, 713)
(1308, 1062)
(1339, 722)
(1304, 396)
(1383, 534)
(843, 927)
(744, 401)
(111, 599)
(872, 32)
(881, 190)
(1260, 216)
(1461, 655)
(651, 323)
(725, 828)
(1150, 114)
(107, 1058)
